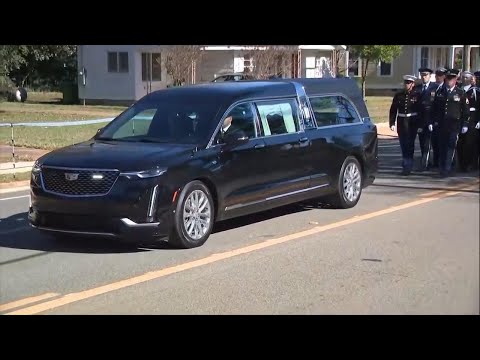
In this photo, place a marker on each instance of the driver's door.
(242, 171)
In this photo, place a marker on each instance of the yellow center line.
(86, 294)
(26, 301)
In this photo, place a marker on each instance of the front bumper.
(133, 210)
(123, 229)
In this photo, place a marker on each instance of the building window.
(475, 59)
(248, 63)
(117, 62)
(424, 57)
(458, 58)
(151, 67)
(385, 68)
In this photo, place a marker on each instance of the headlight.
(144, 174)
(36, 168)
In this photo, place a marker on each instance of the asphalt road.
(411, 246)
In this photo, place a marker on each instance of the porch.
(448, 56)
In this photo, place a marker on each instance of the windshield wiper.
(105, 138)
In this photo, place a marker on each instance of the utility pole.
(466, 57)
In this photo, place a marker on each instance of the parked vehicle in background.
(183, 158)
(233, 77)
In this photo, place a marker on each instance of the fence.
(11, 167)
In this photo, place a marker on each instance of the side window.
(138, 125)
(279, 116)
(240, 121)
(346, 112)
(325, 110)
(333, 110)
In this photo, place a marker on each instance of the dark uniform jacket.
(426, 100)
(451, 110)
(473, 97)
(407, 104)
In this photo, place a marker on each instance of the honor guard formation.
(444, 114)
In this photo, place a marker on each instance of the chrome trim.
(73, 231)
(336, 126)
(236, 206)
(153, 200)
(210, 143)
(131, 223)
(77, 169)
(473, 109)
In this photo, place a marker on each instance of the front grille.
(86, 223)
(78, 182)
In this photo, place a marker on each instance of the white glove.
(478, 125)
(464, 129)
(392, 127)
(430, 127)
(420, 130)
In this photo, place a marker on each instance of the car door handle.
(259, 146)
(302, 140)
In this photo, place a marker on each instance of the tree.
(21, 61)
(272, 60)
(338, 55)
(180, 62)
(372, 54)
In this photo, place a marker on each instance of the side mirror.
(97, 133)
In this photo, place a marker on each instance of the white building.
(124, 73)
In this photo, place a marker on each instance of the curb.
(14, 186)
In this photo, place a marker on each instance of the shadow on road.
(390, 160)
(268, 215)
(15, 233)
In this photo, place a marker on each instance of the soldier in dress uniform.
(427, 93)
(451, 110)
(440, 81)
(467, 142)
(404, 111)
(440, 76)
(476, 121)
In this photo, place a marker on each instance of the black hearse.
(180, 159)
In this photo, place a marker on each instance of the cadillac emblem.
(71, 176)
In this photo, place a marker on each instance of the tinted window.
(240, 120)
(174, 120)
(333, 110)
(278, 117)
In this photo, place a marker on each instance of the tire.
(190, 234)
(348, 194)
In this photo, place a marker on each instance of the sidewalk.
(20, 166)
(384, 131)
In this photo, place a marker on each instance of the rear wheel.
(194, 216)
(349, 186)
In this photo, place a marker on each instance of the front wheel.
(194, 216)
(349, 186)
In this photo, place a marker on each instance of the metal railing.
(13, 126)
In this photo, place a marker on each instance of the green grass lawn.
(20, 176)
(47, 107)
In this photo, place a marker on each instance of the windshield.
(179, 120)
